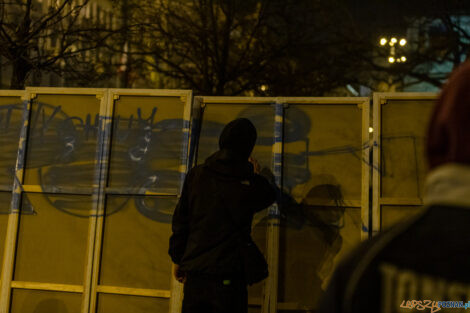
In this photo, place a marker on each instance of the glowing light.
(403, 59)
(383, 41)
(402, 42)
(263, 87)
(394, 40)
(391, 60)
(371, 130)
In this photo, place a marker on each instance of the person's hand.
(256, 166)
(179, 274)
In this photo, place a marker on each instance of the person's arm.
(264, 193)
(180, 228)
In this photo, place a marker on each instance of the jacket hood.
(237, 139)
(236, 143)
(449, 129)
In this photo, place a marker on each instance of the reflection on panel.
(62, 141)
(147, 143)
(321, 169)
(5, 198)
(216, 116)
(323, 146)
(404, 126)
(310, 251)
(108, 303)
(11, 114)
(32, 301)
(393, 214)
(135, 242)
(52, 238)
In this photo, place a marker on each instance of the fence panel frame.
(11, 241)
(113, 95)
(380, 99)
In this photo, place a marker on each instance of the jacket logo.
(245, 182)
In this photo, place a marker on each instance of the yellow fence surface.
(400, 125)
(316, 149)
(90, 178)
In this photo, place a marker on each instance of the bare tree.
(214, 47)
(232, 47)
(59, 38)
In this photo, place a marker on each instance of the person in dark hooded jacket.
(422, 263)
(218, 201)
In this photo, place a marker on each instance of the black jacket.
(424, 258)
(417, 263)
(218, 200)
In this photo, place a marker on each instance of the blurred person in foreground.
(425, 259)
(216, 207)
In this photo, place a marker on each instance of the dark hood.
(238, 139)
(449, 129)
(236, 142)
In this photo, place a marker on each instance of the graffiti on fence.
(63, 153)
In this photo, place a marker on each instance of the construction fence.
(90, 177)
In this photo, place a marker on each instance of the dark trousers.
(214, 295)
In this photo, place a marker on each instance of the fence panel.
(50, 225)
(98, 173)
(324, 145)
(146, 160)
(325, 140)
(400, 125)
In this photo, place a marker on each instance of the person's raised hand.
(179, 274)
(256, 166)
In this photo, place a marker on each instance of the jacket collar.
(222, 163)
(448, 184)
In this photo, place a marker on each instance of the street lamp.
(393, 42)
